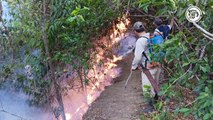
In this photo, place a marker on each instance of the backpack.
(165, 30)
(155, 57)
(156, 39)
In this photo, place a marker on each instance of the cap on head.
(138, 26)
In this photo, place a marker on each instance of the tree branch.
(202, 52)
(189, 69)
(142, 16)
(191, 103)
(142, 12)
(175, 22)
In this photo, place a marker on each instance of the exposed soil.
(116, 102)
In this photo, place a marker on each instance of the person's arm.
(140, 46)
(171, 23)
(157, 32)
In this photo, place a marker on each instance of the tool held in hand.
(151, 79)
(128, 79)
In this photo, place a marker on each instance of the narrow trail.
(116, 102)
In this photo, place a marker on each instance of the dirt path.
(117, 103)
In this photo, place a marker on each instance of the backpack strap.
(147, 59)
(160, 34)
(144, 54)
(165, 29)
(149, 40)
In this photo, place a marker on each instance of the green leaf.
(206, 89)
(202, 95)
(160, 106)
(147, 86)
(185, 64)
(203, 69)
(183, 110)
(207, 116)
(207, 103)
(161, 93)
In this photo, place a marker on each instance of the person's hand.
(130, 47)
(132, 69)
(158, 33)
(153, 65)
(138, 68)
(150, 65)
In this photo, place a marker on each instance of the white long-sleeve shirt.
(141, 46)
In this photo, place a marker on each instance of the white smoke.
(127, 45)
(14, 106)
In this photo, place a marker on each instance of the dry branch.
(202, 52)
(142, 16)
(189, 69)
(187, 105)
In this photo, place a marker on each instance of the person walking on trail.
(162, 29)
(140, 58)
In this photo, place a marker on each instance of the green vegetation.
(189, 58)
(63, 32)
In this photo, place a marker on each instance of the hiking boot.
(156, 97)
(149, 108)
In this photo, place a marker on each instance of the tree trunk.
(80, 76)
(50, 63)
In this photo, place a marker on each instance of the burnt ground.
(116, 102)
